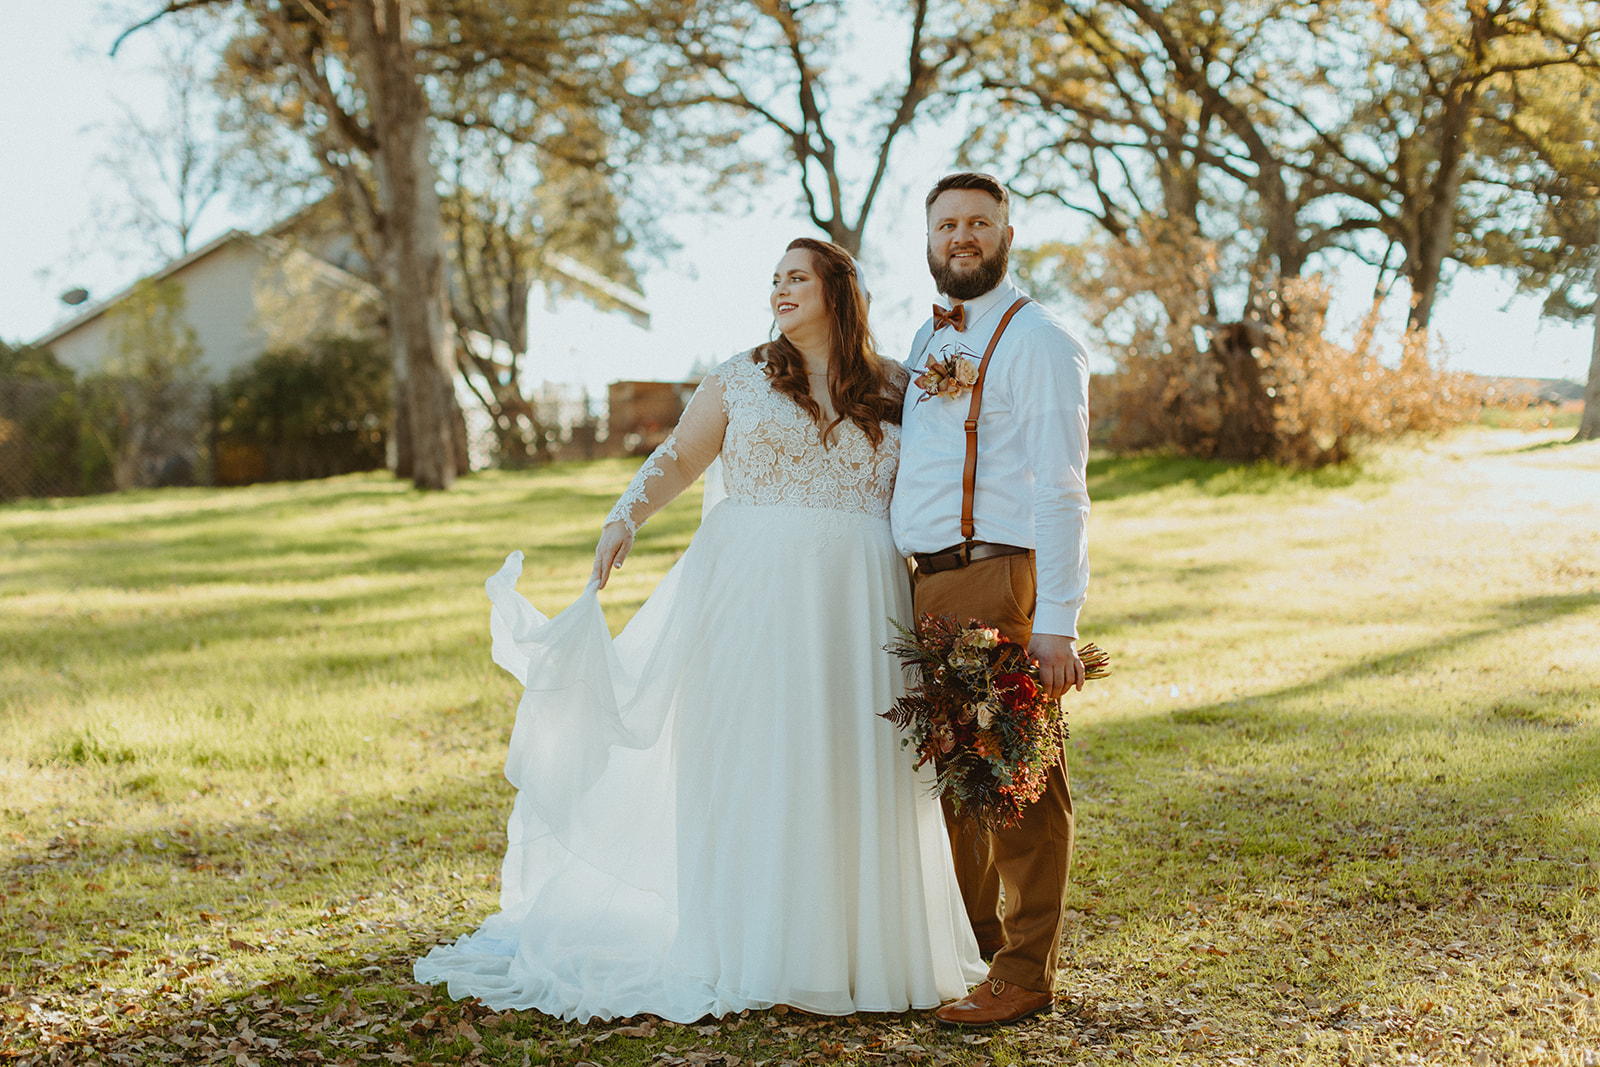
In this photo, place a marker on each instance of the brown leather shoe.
(993, 1003)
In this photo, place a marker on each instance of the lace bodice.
(774, 455)
(771, 452)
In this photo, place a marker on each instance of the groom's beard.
(969, 285)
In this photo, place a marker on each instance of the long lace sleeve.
(680, 459)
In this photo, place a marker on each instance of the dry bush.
(1278, 389)
(1330, 397)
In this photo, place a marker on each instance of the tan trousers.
(1032, 859)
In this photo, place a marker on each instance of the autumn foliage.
(1275, 385)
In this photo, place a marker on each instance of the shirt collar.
(980, 306)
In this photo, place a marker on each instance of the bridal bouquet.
(980, 715)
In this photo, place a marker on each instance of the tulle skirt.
(711, 815)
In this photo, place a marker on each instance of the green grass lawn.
(1537, 417)
(1338, 803)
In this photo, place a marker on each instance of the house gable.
(242, 295)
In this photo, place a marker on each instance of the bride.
(710, 814)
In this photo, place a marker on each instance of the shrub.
(43, 449)
(149, 405)
(1271, 386)
(306, 412)
(1328, 397)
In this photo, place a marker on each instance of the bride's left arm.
(671, 468)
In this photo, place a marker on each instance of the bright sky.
(58, 104)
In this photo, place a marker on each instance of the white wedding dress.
(711, 815)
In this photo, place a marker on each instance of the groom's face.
(968, 243)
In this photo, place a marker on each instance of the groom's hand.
(1060, 668)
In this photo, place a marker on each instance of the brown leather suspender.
(969, 474)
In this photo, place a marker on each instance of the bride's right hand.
(615, 542)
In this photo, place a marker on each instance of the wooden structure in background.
(641, 414)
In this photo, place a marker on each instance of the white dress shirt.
(1033, 444)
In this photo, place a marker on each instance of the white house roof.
(628, 300)
(631, 301)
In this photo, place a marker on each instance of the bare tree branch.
(172, 7)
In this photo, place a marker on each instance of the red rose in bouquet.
(1016, 690)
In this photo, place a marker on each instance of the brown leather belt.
(957, 556)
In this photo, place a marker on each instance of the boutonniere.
(949, 376)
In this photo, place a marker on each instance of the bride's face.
(797, 299)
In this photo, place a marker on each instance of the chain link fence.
(45, 446)
(155, 434)
(64, 439)
(102, 434)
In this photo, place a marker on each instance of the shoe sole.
(1047, 1008)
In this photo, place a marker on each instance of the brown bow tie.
(956, 316)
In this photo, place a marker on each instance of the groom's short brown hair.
(971, 179)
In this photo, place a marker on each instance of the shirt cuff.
(1058, 619)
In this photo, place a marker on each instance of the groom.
(1005, 543)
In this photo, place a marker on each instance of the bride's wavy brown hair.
(863, 386)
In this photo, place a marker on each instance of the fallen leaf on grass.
(429, 1021)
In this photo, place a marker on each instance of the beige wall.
(85, 348)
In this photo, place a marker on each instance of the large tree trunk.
(1434, 242)
(397, 455)
(1246, 433)
(1589, 427)
(411, 247)
(1436, 224)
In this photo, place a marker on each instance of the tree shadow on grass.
(210, 547)
(367, 499)
(1544, 446)
(1111, 623)
(54, 640)
(1115, 477)
(1278, 856)
(1509, 616)
(246, 554)
(213, 503)
(1369, 735)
